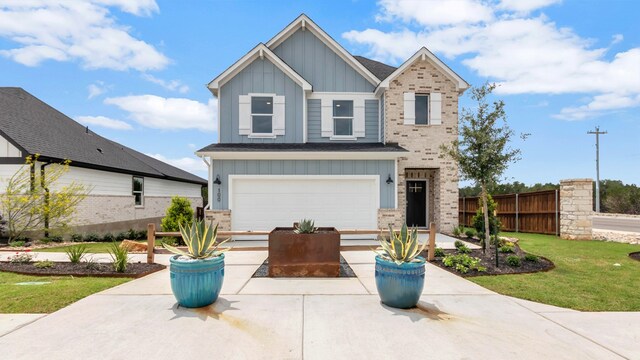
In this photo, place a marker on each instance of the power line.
(597, 133)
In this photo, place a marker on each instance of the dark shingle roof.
(380, 70)
(40, 129)
(329, 147)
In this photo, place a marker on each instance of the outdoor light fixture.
(389, 180)
(217, 180)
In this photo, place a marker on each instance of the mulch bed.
(134, 270)
(345, 270)
(635, 255)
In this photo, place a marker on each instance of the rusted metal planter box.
(304, 255)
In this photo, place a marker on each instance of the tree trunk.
(487, 226)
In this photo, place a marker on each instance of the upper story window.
(343, 117)
(262, 115)
(422, 109)
(138, 190)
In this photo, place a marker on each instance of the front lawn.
(585, 277)
(47, 298)
(94, 248)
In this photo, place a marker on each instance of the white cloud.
(191, 146)
(173, 85)
(168, 113)
(83, 31)
(600, 105)
(104, 121)
(524, 54)
(96, 89)
(191, 164)
(435, 12)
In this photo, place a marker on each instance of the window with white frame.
(138, 190)
(343, 117)
(422, 109)
(261, 115)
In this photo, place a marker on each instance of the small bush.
(92, 237)
(531, 257)
(121, 236)
(141, 235)
(506, 249)
(513, 260)
(17, 243)
(456, 231)
(56, 238)
(22, 258)
(92, 264)
(108, 237)
(462, 263)
(458, 243)
(470, 233)
(76, 237)
(76, 253)
(44, 264)
(132, 234)
(171, 241)
(120, 257)
(439, 252)
(461, 247)
(44, 241)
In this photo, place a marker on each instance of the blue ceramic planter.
(399, 286)
(196, 283)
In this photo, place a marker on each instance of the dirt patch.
(635, 255)
(134, 270)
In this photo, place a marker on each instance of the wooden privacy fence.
(533, 212)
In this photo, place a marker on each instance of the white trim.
(210, 182)
(261, 136)
(342, 95)
(253, 135)
(343, 137)
(303, 155)
(375, 178)
(239, 65)
(426, 196)
(219, 112)
(308, 24)
(395, 201)
(304, 117)
(424, 53)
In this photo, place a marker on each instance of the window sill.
(138, 206)
(343, 138)
(261, 136)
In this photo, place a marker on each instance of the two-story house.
(307, 130)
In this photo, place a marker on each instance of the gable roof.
(303, 21)
(424, 54)
(260, 51)
(380, 70)
(37, 128)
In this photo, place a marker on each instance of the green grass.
(100, 247)
(584, 278)
(62, 291)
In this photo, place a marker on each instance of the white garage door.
(264, 202)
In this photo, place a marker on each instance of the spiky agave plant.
(200, 239)
(401, 247)
(305, 226)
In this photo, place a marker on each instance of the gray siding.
(320, 65)
(314, 119)
(224, 168)
(261, 76)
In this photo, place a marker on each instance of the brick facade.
(220, 217)
(423, 142)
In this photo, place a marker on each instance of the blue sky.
(135, 71)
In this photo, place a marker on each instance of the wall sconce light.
(389, 180)
(217, 180)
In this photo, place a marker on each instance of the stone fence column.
(576, 209)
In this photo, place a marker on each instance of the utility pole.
(597, 133)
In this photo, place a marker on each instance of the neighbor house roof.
(310, 147)
(380, 70)
(37, 128)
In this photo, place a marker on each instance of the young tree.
(482, 150)
(34, 201)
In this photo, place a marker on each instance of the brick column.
(576, 209)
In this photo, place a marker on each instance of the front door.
(417, 203)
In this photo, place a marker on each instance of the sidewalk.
(320, 319)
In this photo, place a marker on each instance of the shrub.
(478, 219)
(121, 236)
(513, 260)
(44, 264)
(439, 252)
(44, 241)
(120, 257)
(171, 241)
(92, 264)
(531, 257)
(470, 233)
(506, 249)
(21, 258)
(55, 238)
(461, 247)
(462, 263)
(76, 237)
(458, 243)
(179, 212)
(17, 243)
(141, 235)
(108, 237)
(456, 231)
(92, 237)
(76, 253)
(131, 234)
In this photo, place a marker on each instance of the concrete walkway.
(319, 319)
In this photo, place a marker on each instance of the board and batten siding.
(382, 118)
(261, 76)
(224, 168)
(8, 150)
(314, 122)
(6, 172)
(319, 65)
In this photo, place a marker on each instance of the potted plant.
(399, 269)
(304, 251)
(197, 274)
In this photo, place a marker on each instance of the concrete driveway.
(319, 319)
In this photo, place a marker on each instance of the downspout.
(209, 188)
(43, 185)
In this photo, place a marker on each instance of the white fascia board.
(302, 155)
(259, 51)
(316, 30)
(423, 54)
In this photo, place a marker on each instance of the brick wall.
(220, 217)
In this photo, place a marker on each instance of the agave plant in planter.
(399, 269)
(197, 274)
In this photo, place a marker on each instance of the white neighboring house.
(128, 189)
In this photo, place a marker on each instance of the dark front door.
(417, 203)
